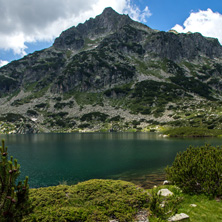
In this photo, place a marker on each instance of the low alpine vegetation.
(198, 170)
(192, 132)
(93, 200)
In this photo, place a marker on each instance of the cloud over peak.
(3, 63)
(30, 21)
(208, 23)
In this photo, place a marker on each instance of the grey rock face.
(109, 21)
(182, 46)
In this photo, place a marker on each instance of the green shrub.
(14, 199)
(12, 117)
(41, 105)
(198, 170)
(32, 112)
(57, 115)
(96, 116)
(93, 200)
(158, 112)
(84, 125)
(116, 119)
(62, 105)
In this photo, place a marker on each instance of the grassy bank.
(192, 132)
(104, 200)
(206, 209)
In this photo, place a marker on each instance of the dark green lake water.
(50, 159)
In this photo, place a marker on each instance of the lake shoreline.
(164, 131)
(50, 159)
(192, 132)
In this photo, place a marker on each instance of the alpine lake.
(53, 159)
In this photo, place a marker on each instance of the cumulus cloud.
(3, 63)
(30, 21)
(208, 23)
(135, 13)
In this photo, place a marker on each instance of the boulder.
(142, 216)
(166, 182)
(162, 205)
(165, 192)
(179, 217)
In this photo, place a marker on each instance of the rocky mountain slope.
(112, 73)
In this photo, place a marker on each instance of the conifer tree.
(14, 199)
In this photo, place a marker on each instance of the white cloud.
(135, 13)
(3, 63)
(29, 21)
(208, 23)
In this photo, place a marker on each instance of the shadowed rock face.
(109, 21)
(177, 47)
(119, 64)
(166, 45)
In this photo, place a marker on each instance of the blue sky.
(29, 25)
(167, 13)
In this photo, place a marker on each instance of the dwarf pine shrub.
(198, 170)
(93, 200)
(14, 201)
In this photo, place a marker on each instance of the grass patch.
(29, 98)
(192, 132)
(207, 210)
(30, 87)
(88, 98)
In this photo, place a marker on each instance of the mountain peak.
(107, 22)
(109, 11)
(116, 74)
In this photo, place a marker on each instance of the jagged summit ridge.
(164, 44)
(109, 21)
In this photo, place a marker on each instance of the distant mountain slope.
(112, 73)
